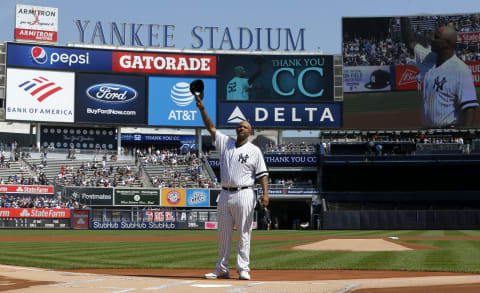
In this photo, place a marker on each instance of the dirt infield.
(191, 280)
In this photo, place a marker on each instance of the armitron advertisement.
(42, 96)
(36, 23)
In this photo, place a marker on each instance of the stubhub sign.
(281, 115)
(58, 57)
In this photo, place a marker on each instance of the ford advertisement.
(58, 57)
(110, 99)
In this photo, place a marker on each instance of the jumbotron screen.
(412, 72)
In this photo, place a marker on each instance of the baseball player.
(449, 97)
(238, 86)
(241, 163)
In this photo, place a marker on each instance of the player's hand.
(199, 101)
(264, 201)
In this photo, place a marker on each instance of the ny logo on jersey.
(438, 84)
(243, 159)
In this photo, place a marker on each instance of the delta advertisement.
(77, 137)
(281, 115)
(110, 99)
(170, 102)
(40, 96)
(390, 63)
(275, 78)
(36, 23)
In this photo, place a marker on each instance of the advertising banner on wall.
(475, 67)
(110, 99)
(198, 198)
(280, 160)
(281, 115)
(36, 23)
(26, 189)
(170, 102)
(35, 213)
(92, 196)
(173, 197)
(81, 219)
(58, 57)
(77, 137)
(275, 78)
(136, 197)
(171, 64)
(367, 79)
(38, 95)
(406, 77)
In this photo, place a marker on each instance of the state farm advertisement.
(475, 67)
(164, 63)
(36, 23)
(468, 37)
(406, 77)
(35, 213)
(26, 189)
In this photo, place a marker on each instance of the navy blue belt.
(235, 188)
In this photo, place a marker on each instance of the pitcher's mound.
(353, 245)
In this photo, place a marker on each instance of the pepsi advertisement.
(58, 57)
(275, 78)
(110, 99)
(170, 102)
(281, 115)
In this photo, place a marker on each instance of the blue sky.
(320, 19)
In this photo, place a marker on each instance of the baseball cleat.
(217, 275)
(244, 275)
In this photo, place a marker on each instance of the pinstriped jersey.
(448, 90)
(239, 166)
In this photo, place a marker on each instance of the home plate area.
(22, 279)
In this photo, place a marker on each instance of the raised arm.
(407, 33)
(206, 119)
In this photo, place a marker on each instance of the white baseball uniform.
(238, 168)
(237, 89)
(447, 89)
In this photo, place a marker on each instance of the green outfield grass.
(454, 255)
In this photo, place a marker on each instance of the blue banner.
(58, 57)
(198, 198)
(281, 115)
(181, 139)
(290, 191)
(107, 98)
(273, 160)
(100, 225)
(170, 102)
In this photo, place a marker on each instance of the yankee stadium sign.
(203, 37)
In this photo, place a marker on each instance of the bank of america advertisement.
(41, 96)
(110, 99)
(275, 78)
(170, 102)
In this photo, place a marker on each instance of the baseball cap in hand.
(378, 80)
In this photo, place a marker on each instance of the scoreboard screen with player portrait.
(275, 78)
(393, 77)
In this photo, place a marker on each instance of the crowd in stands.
(7, 201)
(367, 49)
(98, 174)
(181, 169)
